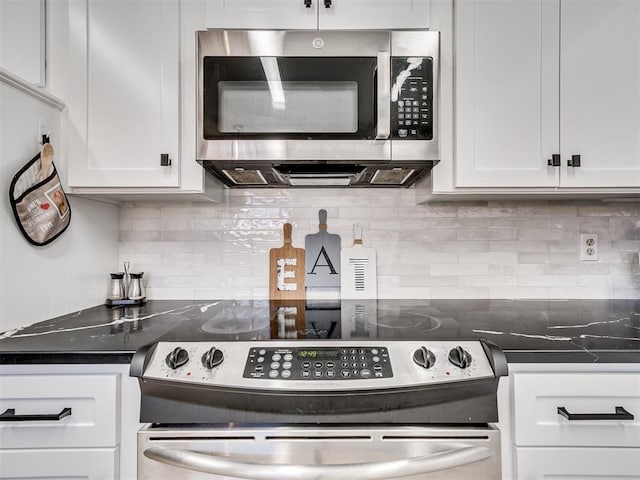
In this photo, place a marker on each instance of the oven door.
(294, 453)
(266, 95)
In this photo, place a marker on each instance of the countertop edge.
(513, 357)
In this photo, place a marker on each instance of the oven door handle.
(225, 466)
(384, 96)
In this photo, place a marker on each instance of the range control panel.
(412, 98)
(312, 365)
(321, 363)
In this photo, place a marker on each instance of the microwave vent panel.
(393, 176)
(240, 176)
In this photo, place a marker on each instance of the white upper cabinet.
(132, 93)
(545, 97)
(318, 14)
(263, 14)
(600, 92)
(22, 39)
(373, 14)
(507, 101)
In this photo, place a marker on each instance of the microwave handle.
(384, 96)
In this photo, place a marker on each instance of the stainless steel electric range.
(327, 393)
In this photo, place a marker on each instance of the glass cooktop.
(318, 320)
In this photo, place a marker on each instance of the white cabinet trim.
(38, 93)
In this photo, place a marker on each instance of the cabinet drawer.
(93, 400)
(577, 463)
(62, 464)
(537, 398)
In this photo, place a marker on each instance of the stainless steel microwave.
(308, 108)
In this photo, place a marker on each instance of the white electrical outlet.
(588, 247)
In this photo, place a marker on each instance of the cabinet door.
(506, 92)
(60, 463)
(537, 397)
(263, 14)
(373, 14)
(574, 463)
(600, 109)
(22, 42)
(132, 52)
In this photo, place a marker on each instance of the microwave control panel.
(412, 98)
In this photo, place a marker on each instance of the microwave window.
(289, 97)
(288, 106)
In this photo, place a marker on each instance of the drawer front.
(537, 398)
(577, 463)
(94, 404)
(62, 464)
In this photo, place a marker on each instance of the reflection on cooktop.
(300, 320)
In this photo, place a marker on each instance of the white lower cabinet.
(75, 463)
(574, 421)
(574, 463)
(68, 421)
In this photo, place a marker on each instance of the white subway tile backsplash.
(418, 256)
(610, 210)
(526, 249)
(459, 269)
(487, 280)
(550, 209)
(594, 281)
(429, 211)
(488, 211)
(502, 234)
(460, 292)
(548, 280)
(488, 257)
(520, 246)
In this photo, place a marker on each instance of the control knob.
(177, 358)
(212, 358)
(460, 357)
(424, 357)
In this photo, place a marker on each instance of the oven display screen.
(318, 354)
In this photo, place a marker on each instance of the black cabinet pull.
(307, 3)
(9, 415)
(327, 3)
(554, 161)
(574, 162)
(621, 414)
(165, 161)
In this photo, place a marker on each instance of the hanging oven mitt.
(39, 204)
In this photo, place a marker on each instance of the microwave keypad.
(411, 111)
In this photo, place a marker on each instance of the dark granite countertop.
(529, 331)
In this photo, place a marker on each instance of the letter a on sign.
(322, 257)
(323, 253)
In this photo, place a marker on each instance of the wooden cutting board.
(359, 271)
(286, 270)
(322, 257)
